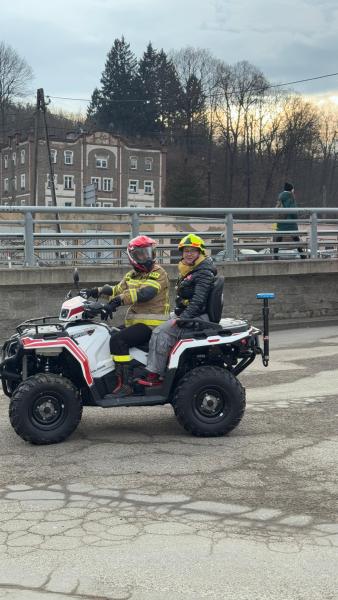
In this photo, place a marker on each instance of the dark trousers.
(135, 335)
(295, 238)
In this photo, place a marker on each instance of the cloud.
(66, 42)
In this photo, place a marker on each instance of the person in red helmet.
(145, 290)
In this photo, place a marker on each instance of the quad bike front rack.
(265, 296)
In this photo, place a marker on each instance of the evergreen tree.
(114, 105)
(170, 93)
(193, 109)
(148, 82)
(161, 89)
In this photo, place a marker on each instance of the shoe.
(150, 380)
(123, 387)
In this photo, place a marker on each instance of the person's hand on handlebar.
(89, 293)
(109, 308)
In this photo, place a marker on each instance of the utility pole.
(41, 108)
(36, 145)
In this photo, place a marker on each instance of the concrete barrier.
(305, 290)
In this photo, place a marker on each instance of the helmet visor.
(141, 255)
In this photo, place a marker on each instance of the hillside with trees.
(231, 137)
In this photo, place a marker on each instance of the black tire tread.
(201, 373)
(28, 386)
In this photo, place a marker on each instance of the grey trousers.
(163, 338)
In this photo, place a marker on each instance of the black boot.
(123, 384)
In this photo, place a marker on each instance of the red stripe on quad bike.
(64, 343)
(215, 340)
(179, 344)
(75, 311)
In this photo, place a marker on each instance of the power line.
(274, 85)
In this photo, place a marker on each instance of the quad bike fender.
(50, 347)
(213, 340)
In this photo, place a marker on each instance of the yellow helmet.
(192, 241)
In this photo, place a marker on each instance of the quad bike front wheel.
(45, 409)
(209, 401)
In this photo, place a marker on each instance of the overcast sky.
(66, 41)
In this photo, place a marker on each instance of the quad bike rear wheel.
(209, 401)
(45, 409)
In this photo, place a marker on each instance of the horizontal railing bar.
(163, 211)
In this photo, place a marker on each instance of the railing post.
(135, 224)
(314, 235)
(29, 240)
(229, 232)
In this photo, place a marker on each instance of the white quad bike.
(53, 366)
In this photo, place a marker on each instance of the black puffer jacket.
(193, 290)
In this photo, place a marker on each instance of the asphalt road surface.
(133, 508)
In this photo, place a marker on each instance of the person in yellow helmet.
(196, 277)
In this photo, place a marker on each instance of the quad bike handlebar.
(93, 309)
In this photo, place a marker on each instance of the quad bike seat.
(143, 347)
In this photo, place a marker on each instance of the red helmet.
(141, 253)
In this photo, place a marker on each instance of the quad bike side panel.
(192, 343)
(61, 343)
(93, 339)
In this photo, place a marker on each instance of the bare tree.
(242, 90)
(15, 75)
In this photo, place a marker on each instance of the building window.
(6, 161)
(22, 156)
(22, 181)
(133, 162)
(15, 183)
(68, 204)
(148, 164)
(107, 204)
(23, 202)
(96, 181)
(6, 184)
(148, 187)
(68, 182)
(107, 184)
(14, 158)
(69, 155)
(49, 202)
(133, 186)
(53, 154)
(101, 163)
(48, 180)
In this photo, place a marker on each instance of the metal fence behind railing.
(230, 233)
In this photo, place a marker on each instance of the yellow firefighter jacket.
(132, 288)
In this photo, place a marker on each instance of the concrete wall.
(304, 290)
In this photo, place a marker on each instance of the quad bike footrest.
(113, 400)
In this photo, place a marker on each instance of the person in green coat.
(286, 199)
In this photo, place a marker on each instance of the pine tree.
(161, 89)
(171, 93)
(114, 105)
(193, 109)
(148, 81)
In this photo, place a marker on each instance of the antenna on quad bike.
(265, 296)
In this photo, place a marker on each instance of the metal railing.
(30, 239)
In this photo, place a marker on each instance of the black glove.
(90, 293)
(185, 324)
(109, 308)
